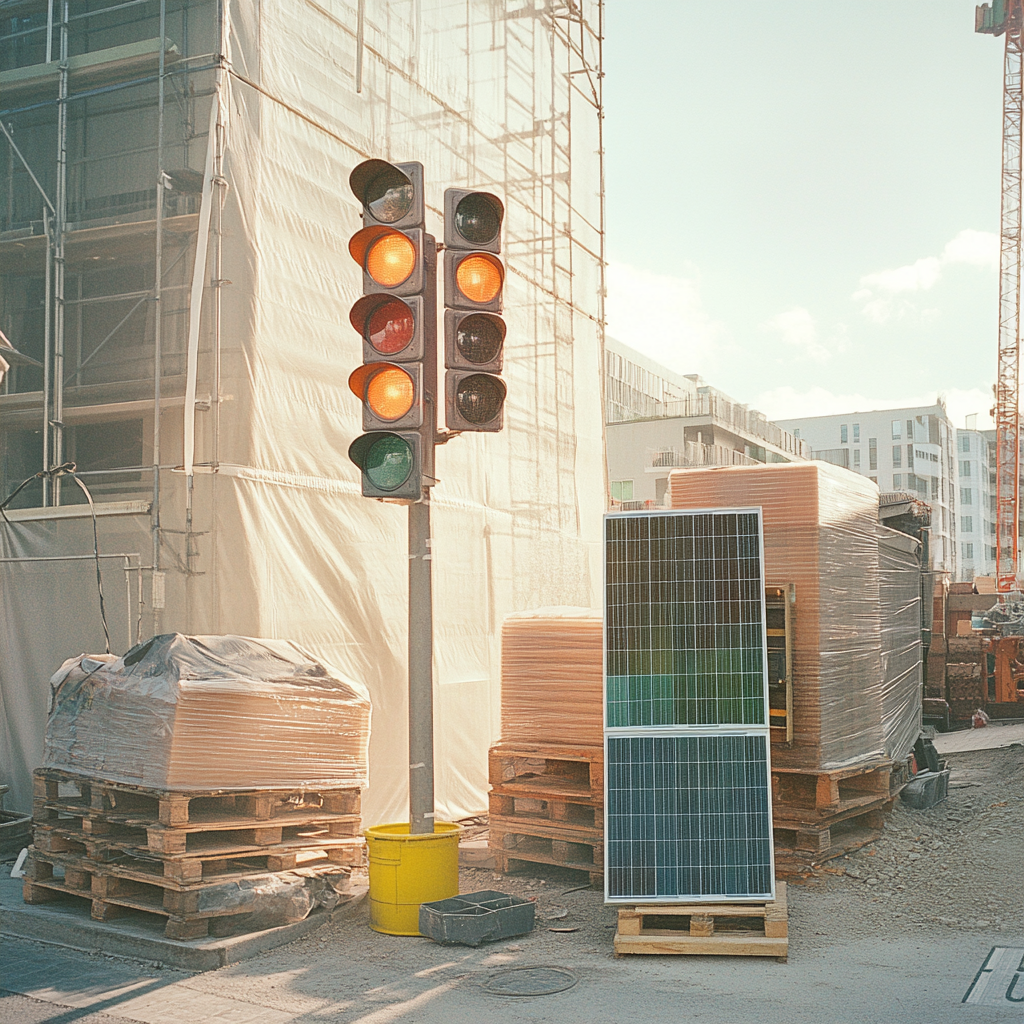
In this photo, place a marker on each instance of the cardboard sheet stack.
(851, 724)
(194, 769)
(546, 773)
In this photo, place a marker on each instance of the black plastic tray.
(476, 917)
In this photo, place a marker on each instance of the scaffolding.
(173, 274)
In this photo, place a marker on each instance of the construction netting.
(257, 113)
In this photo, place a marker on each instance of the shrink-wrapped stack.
(551, 678)
(209, 712)
(821, 533)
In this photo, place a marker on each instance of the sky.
(803, 199)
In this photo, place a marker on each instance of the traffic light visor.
(388, 256)
(479, 277)
(479, 337)
(387, 324)
(478, 217)
(479, 398)
(388, 390)
(386, 193)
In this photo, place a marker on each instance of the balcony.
(692, 455)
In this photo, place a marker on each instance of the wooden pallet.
(800, 795)
(548, 798)
(710, 929)
(582, 768)
(517, 845)
(800, 850)
(192, 911)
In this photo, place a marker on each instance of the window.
(856, 458)
(796, 433)
(964, 441)
(897, 456)
(910, 456)
(990, 528)
(967, 524)
(965, 467)
(991, 553)
(622, 490)
(897, 429)
(843, 435)
(856, 433)
(966, 497)
(910, 430)
(897, 481)
(873, 454)
(968, 550)
(935, 491)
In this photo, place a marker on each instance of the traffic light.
(474, 335)
(396, 323)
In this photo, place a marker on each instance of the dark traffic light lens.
(476, 219)
(389, 463)
(479, 398)
(389, 196)
(479, 339)
(389, 328)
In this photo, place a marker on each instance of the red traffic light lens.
(390, 327)
(390, 393)
(479, 277)
(479, 338)
(391, 260)
(479, 398)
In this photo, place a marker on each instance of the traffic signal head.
(473, 280)
(472, 220)
(391, 393)
(473, 401)
(473, 341)
(391, 194)
(390, 464)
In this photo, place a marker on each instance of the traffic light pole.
(421, 624)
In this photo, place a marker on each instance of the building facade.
(899, 450)
(657, 421)
(976, 519)
(175, 274)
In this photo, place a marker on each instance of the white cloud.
(787, 403)
(877, 292)
(797, 328)
(664, 317)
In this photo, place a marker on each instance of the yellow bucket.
(407, 870)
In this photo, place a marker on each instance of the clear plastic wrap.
(899, 596)
(821, 533)
(551, 677)
(209, 712)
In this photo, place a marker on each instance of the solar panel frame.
(706, 881)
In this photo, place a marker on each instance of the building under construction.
(174, 280)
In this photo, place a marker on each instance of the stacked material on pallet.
(551, 677)
(546, 773)
(196, 863)
(209, 712)
(899, 593)
(821, 533)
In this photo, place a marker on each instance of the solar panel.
(688, 813)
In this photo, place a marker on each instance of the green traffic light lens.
(479, 339)
(389, 462)
(479, 398)
(389, 196)
(476, 219)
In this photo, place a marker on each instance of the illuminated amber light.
(479, 278)
(390, 393)
(391, 260)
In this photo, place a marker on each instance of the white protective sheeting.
(278, 542)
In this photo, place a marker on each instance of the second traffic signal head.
(473, 341)
(472, 220)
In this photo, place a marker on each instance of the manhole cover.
(530, 981)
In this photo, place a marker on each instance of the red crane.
(1005, 18)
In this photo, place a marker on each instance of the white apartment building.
(976, 519)
(657, 421)
(900, 450)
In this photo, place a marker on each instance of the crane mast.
(1004, 17)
